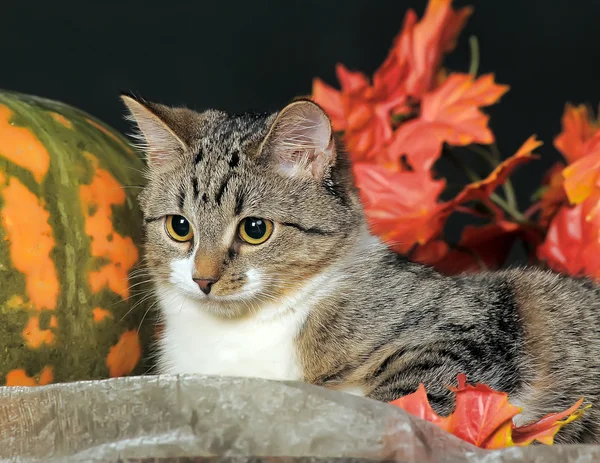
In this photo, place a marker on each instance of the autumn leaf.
(360, 109)
(579, 143)
(484, 188)
(417, 404)
(431, 253)
(421, 46)
(579, 133)
(480, 248)
(546, 428)
(449, 114)
(401, 207)
(572, 243)
(552, 195)
(479, 413)
(582, 178)
(483, 417)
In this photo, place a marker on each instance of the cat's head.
(242, 210)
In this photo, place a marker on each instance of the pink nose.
(205, 284)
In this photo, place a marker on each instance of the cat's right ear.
(157, 130)
(300, 141)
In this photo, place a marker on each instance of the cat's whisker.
(138, 303)
(379, 321)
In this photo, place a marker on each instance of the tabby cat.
(264, 266)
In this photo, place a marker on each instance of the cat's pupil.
(180, 225)
(255, 228)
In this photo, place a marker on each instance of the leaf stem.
(501, 202)
(474, 47)
(493, 157)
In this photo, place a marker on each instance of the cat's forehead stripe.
(181, 197)
(222, 187)
(195, 188)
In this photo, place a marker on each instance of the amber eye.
(179, 228)
(254, 230)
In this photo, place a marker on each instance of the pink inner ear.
(302, 137)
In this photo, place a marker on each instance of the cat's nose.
(205, 284)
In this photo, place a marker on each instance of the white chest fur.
(263, 345)
(195, 341)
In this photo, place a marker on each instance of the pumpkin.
(70, 230)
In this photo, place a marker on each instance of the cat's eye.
(254, 230)
(179, 228)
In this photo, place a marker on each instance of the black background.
(240, 55)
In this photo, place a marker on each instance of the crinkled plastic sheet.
(194, 418)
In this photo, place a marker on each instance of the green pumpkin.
(70, 231)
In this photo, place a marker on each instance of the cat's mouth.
(243, 289)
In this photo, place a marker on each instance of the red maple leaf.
(572, 244)
(401, 207)
(421, 46)
(480, 248)
(483, 417)
(482, 189)
(361, 109)
(448, 114)
(553, 195)
(579, 142)
(578, 133)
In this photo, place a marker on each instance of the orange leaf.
(484, 188)
(401, 207)
(480, 248)
(480, 413)
(582, 178)
(422, 45)
(572, 243)
(553, 195)
(360, 109)
(449, 114)
(546, 428)
(417, 404)
(577, 136)
(331, 101)
(483, 417)
(579, 142)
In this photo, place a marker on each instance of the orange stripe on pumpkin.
(21, 146)
(100, 314)
(110, 134)
(19, 377)
(34, 336)
(30, 243)
(61, 120)
(97, 200)
(124, 356)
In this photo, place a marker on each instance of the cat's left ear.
(160, 130)
(300, 141)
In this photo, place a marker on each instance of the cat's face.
(241, 211)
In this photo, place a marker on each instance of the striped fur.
(360, 318)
